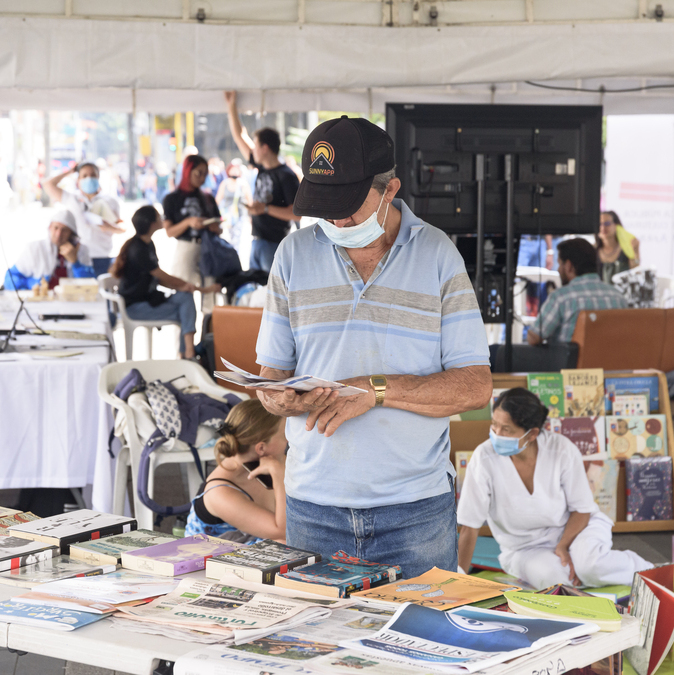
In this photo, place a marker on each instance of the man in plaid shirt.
(581, 289)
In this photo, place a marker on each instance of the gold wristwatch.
(379, 383)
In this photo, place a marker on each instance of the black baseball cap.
(340, 159)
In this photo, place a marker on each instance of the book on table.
(549, 387)
(18, 518)
(636, 385)
(436, 588)
(45, 616)
(461, 460)
(259, 562)
(6, 511)
(68, 528)
(180, 556)
(602, 475)
(648, 483)
(53, 569)
(600, 611)
(588, 434)
(16, 552)
(338, 576)
(641, 436)
(583, 392)
(109, 550)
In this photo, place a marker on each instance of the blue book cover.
(45, 616)
(637, 384)
(649, 488)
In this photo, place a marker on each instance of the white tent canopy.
(165, 66)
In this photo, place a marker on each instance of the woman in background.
(530, 486)
(232, 501)
(617, 249)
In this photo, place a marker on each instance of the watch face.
(378, 381)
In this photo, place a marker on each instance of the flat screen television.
(556, 165)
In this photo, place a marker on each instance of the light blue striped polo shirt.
(417, 314)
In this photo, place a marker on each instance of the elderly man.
(374, 297)
(58, 255)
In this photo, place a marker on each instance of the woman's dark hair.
(614, 218)
(191, 162)
(524, 408)
(581, 253)
(142, 220)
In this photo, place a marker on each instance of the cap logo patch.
(322, 156)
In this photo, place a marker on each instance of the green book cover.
(549, 387)
(597, 610)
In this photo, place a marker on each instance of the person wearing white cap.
(59, 254)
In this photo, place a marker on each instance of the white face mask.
(356, 236)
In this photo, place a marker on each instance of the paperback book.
(18, 518)
(649, 488)
(69, 528)
(549, 387)
(60, 567)
(603, 478)
(583, 392)
(339, 576)
(16, 552)
(461, 461)
(45, 616)
(5, 511)
(588, 434)
(436, 588)
(259, 562)
(180, 556)
(636, 436)
(630, 404)
(109, 549)
(637, 385)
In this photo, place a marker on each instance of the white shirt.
(89, 224)
(493, 491)
(39, 258)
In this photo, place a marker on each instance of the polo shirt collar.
(584, 277)
(409, 226)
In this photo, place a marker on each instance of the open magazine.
(301, 383)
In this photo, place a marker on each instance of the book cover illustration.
(583, 392)
(636, 436)
(631, 404)
(603, 478)
(17, 552)
(549, 387)
(45, 616)
(461, 461)
(649, 488)
(18, 518)
(588, 434)
(110, 549)
(637, 385)
(60, 567)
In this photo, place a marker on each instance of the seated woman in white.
(530, 486)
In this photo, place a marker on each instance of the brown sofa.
(625, 339)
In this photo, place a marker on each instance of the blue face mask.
(506, 446)
(356, 236)
(89, 185)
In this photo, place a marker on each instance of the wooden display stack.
(468, 434)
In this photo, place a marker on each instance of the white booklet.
(301, 383)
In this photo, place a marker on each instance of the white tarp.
(55, 63)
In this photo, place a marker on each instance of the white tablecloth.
(53, 426)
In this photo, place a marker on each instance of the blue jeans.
(262, 254)
(416, 536)
(178, 307)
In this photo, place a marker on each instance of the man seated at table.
(581, 289)
(59, 254)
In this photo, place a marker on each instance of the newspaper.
(464, 640)
(234, 613)
(301, 383)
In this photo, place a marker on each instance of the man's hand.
(196, 222)
(288, 403)
(230, 98)
(188, 287)
(254, 209)
(342, 408)
(565, 557)
(69, 252)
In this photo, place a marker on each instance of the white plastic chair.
(138, 428)
(108, 289)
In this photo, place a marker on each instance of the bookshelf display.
(468, 434)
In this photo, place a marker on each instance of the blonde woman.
(617, 249)
(233, 499)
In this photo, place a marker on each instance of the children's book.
(636, 385)
(259, 562)
(588, 434)
(60, 567)
(436, 588)
(583, 392)
(16, 552)
(636, 436)
(109, 549)
(18, 518)
(45, 616)
(461, 460)
(649, 488)
(69, 528)
(630, 404)
(600, 611)
(549, 387)
(180, 556)
(603, 478)
(338, 576)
